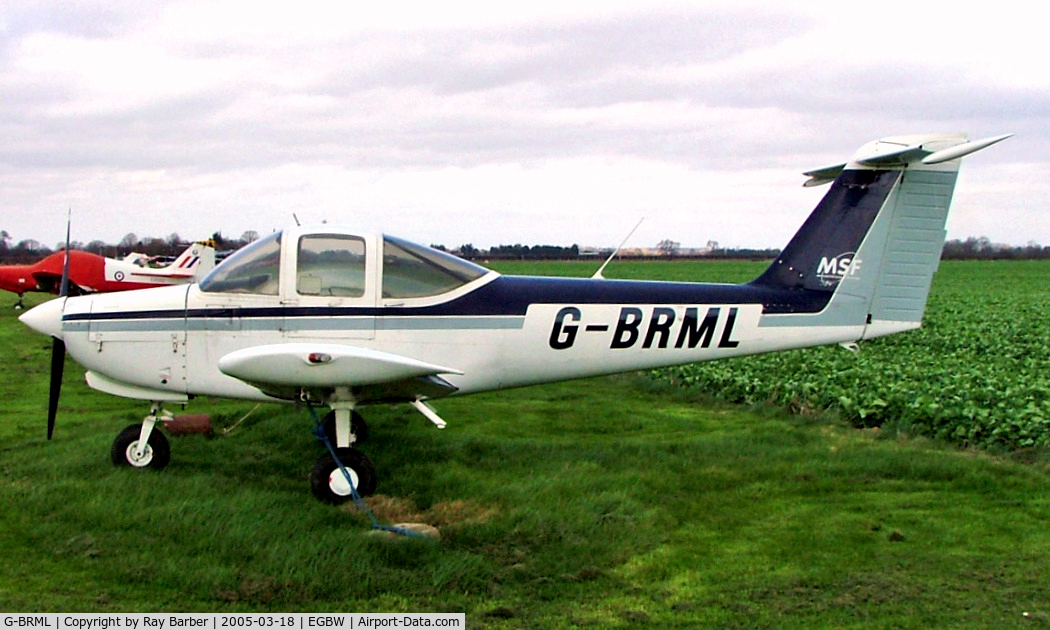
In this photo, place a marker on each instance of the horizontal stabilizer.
(902, 151)
(963, 150)
(891, 154)
(823, 175)
(323, 365)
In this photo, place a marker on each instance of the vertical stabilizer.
(206, 251)
(874, 241)
(197, 260)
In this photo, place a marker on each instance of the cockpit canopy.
(334, 264)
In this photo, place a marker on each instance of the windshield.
(255, 269)
(411, 270)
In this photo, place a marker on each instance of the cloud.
(527, 124)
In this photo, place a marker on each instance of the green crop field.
(620, 502)
(976, 374)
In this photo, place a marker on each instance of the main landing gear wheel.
(329, 484)
(124, 451)
(357, 427)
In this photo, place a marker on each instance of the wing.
(283, 370)
(48, 282)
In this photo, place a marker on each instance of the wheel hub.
(338, 483)
(137, 460)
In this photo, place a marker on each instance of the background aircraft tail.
(198, 259)
(874, 241)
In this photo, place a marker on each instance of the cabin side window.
(330, 265)
(253, 269)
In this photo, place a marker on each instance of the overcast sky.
(551, 123)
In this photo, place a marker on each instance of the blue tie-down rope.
(320, 434)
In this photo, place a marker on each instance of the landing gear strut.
(358, 428)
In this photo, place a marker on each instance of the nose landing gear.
(139, 446)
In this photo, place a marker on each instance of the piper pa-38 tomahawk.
(344, 319)
(91, 273)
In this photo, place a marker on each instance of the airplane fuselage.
(500, 331)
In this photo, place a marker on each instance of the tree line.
(981, 248)
(30, 250)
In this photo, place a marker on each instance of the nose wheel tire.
(125, 449)
(330, 485)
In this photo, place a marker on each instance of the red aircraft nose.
(16, 279)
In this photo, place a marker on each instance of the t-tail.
(875, 239)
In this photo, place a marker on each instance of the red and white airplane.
(91, 273)
(333, 317)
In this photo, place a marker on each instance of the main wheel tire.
(357, 427)
(157, 453)
(329, 483)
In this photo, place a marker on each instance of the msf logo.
(831, 271)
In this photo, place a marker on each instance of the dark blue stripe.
(512, 295)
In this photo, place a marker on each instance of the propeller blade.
(58, 348)
(63, 289)
(58, 362)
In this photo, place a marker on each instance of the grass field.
(611, 502)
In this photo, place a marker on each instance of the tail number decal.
(661, 328)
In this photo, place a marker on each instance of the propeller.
(58, 346)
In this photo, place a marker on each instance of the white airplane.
(343, 319)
